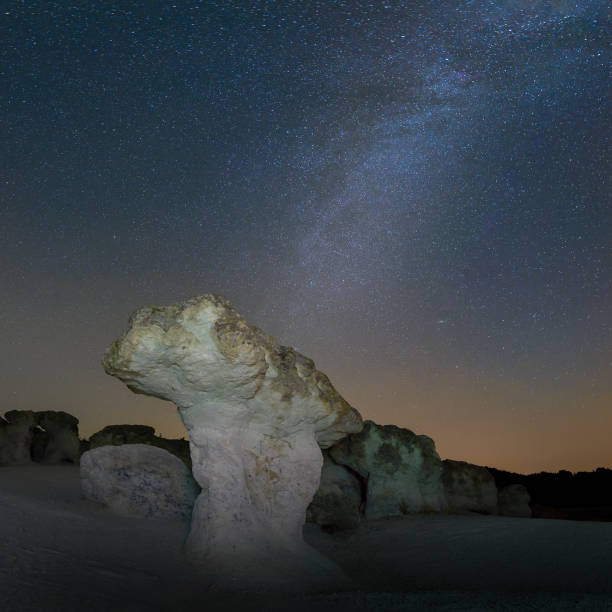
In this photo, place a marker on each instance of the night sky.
(414, 194)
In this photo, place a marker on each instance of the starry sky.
(414, 194)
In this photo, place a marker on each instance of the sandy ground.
(59, 551)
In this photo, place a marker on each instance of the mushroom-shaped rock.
(56, 439)
(469, 488)
(139, 480)
(403, 470)
(513, 500)
(257, 414)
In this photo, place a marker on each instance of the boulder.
(338, 500)
(139, 480)
(402, 470)
(513, 500)
(469, 488)
(56, 439)
(116, 435)
(257, 414)
(16, 431)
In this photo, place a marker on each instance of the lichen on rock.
(402, 470)
(138, 480)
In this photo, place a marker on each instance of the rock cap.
(202, 352)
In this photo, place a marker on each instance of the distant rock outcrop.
(513, 500)
(579, 496)
(139, 480)
(45, 437)
(402, 471)
(257, 415)
(115, 435)
(56, 439)
(337, 504)
(16, 432)
(469, 487)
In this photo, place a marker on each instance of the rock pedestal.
(257, 414)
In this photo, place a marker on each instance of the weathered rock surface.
(56, 439)
(338, 500)
(513, 500)
(115, 435)
(257, 414)
(16, 431)
(403, 471)
(139, 480)
(469, 487)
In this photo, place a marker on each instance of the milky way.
(415, 194)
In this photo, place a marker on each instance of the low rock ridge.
(386, 471)
(381, 472)
(579, 496)
(116, 435)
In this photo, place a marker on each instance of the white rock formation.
(257, 414)
(513, 500)
(139, 480)
(469, 488)
(403, 471)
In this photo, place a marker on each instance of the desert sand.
(59, 551)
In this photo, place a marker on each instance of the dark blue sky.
(414, 194)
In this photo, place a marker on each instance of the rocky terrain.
(271, 445)
(61, 552)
